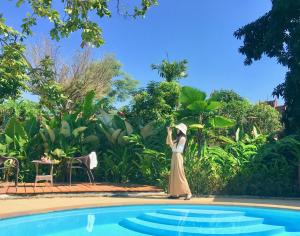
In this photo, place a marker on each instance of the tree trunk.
(199, 143)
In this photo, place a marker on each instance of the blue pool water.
(159, 220)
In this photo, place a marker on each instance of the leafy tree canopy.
(13, 72)
(66, 16)
(224, 95)
(157, 102)
(264, 117)
(69, 16)
(276, 34)
(122, 89)
(171, 71)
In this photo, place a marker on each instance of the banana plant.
(245, 147)
(14, 139)
(200, 114)
(74, 132)
(114, 127)
(126, 157)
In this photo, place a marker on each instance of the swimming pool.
(160, 220)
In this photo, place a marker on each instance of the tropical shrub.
(157, 102)
(272, 172)
(200, 114)
(264, 117)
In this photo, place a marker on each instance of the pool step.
(158, 229)
(288, 234)
(200, 222)
(201, 213)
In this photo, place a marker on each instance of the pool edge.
(19, 207)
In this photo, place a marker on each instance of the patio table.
(49, 177)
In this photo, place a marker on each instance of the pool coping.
(21, 207)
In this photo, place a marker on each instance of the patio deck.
(46, 188)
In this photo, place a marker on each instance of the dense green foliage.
(226, 96)
(232, 144)
(13, 72)
(265, 118)
(158, 101)
(234, 147)
(201, 115)
(272, 172)
(133, 149)
(276, 34)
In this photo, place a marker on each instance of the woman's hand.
(169, 129)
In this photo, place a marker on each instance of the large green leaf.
(221, 122)
(8, 140)
(88, 104)
(148, 129)
(15, 129)
(118, 122)
(189, 95)
(65, 129)
(50, 132)
(129, 128)
(105, 118)
(31, 126)
(92, 139)
(225, 139)
(198, 106)
(196, 126)
(3, 149)
(58, 153)
(213, 106)
(115, 135)
(237, 135)
(76, 132)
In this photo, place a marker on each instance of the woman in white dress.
(178, 185)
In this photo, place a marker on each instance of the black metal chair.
(15, 163)
(82, 162)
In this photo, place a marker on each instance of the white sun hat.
(182, 127)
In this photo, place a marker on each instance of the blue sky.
(200, 31)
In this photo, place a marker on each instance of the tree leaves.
(88, 104)
(76, 17)
(213, 106)
(76, 132)
(148, 129)
(13, 71)
(221, 122)
(31, 126)
(65, 129)
(276, 34)
(14, 129)
(196, 126)
(198, 106)
(190, 95)
(171, 71)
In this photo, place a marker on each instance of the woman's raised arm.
(169, 140)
